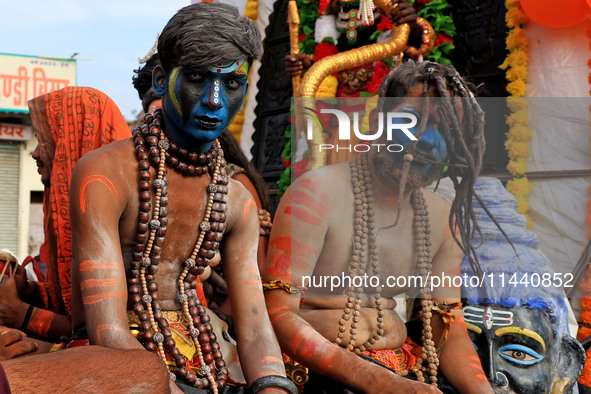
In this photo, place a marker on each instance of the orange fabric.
(69, 123)
(398, 359)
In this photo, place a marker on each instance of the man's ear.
(158, 80)
(571, 360)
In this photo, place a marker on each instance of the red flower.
(442, 39)
(380, 70)
(286, 163)
(323, 5)
(384, 24)
(325, 49)
(300, 167)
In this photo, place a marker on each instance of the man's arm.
(99, 288)
(297, 239)
(257, 346)
(18, 314)
(458, 360)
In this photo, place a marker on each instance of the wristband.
(273, 381)
(27, 318)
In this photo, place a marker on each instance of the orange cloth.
(398, 359)
(69, 123)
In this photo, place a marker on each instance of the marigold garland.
(519, 134)
(585, 317)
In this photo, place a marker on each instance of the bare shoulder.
(111, 159)
(435, 202)
(439, 210)
(329, 182)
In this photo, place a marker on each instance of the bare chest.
(184, 210)
(375, 253)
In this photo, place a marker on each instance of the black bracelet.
(27, 318)
(273, 381)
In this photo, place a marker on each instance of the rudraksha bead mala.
(365, 250)
(154, 149)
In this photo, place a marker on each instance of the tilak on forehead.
(219, 71)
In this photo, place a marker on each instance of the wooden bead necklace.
(154, 149)
(365, 249)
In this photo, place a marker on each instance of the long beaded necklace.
(154, 149)
(364, 249)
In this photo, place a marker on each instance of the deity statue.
(518, 318)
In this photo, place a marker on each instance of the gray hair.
(203, 34)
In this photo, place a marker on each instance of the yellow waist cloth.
(178, 325)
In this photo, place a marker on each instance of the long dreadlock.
(464, 139)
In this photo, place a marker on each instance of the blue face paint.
(200, 104)
(520, 354)
(431, 146)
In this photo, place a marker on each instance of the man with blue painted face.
(344, 233)
(150, 213)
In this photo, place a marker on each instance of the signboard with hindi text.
(25, 77)
(15, 132)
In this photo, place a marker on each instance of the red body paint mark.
(308, 344)
(392, 201)
(90, 283)
(96, 178)
(247, 207)
(40, 322)
(292, 254)
(103, 327)
(90, 265)
(95, 298)
(278, 316)
(304, 216)
(301, 198)
(455, 271)
(271, 359)
(481, 376)
(315, 189)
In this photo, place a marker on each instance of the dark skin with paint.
(305, 241)
(104, 236)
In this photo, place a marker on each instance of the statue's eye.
(520, 354)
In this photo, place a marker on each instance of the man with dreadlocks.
(149, 214)
(372, 216)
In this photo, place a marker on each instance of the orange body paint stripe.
(249, 204)
(95, 298)
(315, 189)
(271, 359)
(96, 178)
(301, 198)
(90, 265)
(303, 216)
(277, 316)
(90, 283)
(106, 326)
(40, 322)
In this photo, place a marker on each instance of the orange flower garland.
(519, 134)
(585, 317)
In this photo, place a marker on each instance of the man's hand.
(23, 286)
(404, 13)
(14, 343)
(295, 64)
(12, 309)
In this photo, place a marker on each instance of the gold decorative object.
(339, 62)
(293, 18)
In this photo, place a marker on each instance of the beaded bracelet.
(273, 381)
